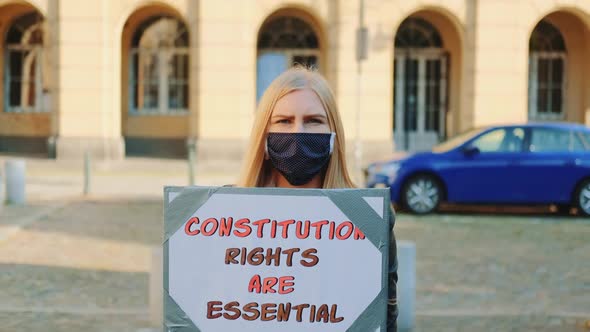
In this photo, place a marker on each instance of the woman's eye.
(316, 120)
(284, 121)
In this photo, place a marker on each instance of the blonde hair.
(256, 171)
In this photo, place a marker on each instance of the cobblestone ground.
(500, 273)
(83, 266)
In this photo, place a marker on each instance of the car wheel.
(583, 198)
(422, 194)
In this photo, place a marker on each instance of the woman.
(298, 141)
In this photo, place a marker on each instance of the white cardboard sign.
(257, 262)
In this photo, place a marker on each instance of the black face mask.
(299, 156)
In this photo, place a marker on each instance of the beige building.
(131, 77)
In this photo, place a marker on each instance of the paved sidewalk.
(84, 266)
(80, 266)
(73, 263)
(131, 178)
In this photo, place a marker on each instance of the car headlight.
(389, 170)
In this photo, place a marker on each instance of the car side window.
(550, 140)
(500, 140)
(513, 140)
(576, 143)
(585, 138)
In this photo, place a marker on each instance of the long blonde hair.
(256, 171)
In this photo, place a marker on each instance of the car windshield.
(457, 140)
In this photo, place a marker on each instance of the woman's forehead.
(304, 102)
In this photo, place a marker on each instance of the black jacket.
(392, 309)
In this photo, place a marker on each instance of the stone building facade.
(135, 77)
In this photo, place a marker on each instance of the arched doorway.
(420, 85)
(547, 73)
(284, 41)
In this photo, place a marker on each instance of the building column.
(223, 84)
(499, 64)
(88, 114)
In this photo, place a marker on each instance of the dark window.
(287, 32)
(411, 95)
(26, 30)
(548, 54)
(24, 51)
(433, 80)
(546, 38)
(415, 32)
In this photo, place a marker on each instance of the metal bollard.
(15, 181)
(2, 198)
(156, 297)
(51, 147)
(191, 147)
(406, 286)
(86, 173)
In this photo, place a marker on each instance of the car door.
(552, 165)
(482, 171)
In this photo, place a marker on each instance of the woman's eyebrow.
(316, 115)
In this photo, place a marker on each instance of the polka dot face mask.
(299, 157)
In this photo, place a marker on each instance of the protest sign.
(264, 259)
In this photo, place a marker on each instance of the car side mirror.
(470, 150)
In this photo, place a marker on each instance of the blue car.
(515, 164)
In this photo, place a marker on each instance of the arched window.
(23, 65)
(547, 62)
(159, 67)
(283, 42)
(287, 33)
(546, 38)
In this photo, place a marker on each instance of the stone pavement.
(82, 266)
(74, 263)
(136, 178)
